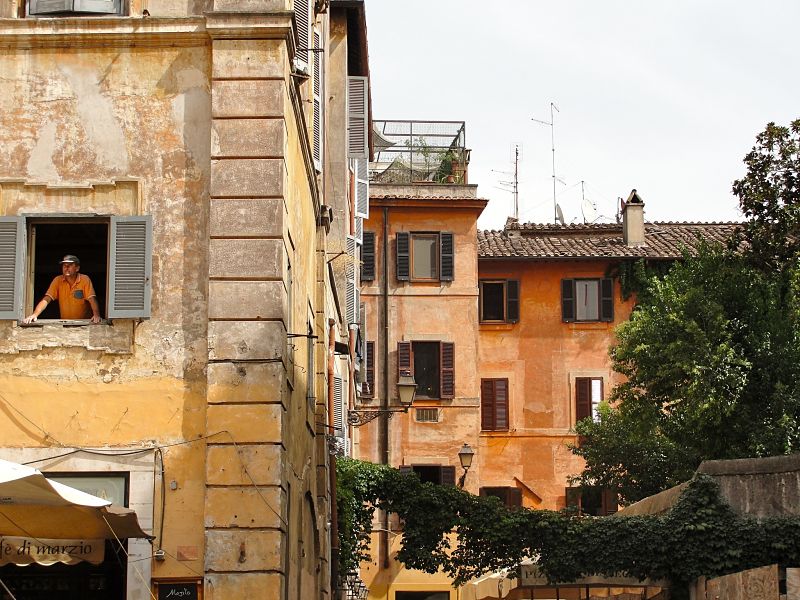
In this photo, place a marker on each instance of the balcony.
(419, 152)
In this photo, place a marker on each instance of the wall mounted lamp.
(406, 389)
(465, 457)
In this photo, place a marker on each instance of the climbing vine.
(700, 535)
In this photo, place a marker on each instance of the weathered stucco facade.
(196, 118)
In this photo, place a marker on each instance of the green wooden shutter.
(447, 370)
(512, 300)
(403, 255)
(12, 245)
(368, 257)
(583, 398)
(607, 299)
(446, 257)
(357, 117)
(130, 267)
(567, 300)
(405, 359)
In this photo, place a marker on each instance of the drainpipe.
(383, 446)
(332, 464)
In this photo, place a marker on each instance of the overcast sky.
(665, 97)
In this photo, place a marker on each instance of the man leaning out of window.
(73, 291)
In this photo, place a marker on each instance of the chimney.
(633, 220)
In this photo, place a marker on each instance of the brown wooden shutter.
(405, 469)
(583, 398)
(446, 257)
(607, 299)
(501, 404)
(567, 300)
(448, 475)
(368, 257)
(405, 359)
(512, 300)
(447, 370)
(514, 499)
(487, 405)
(370, 370)
(403, 243)
(609, 502)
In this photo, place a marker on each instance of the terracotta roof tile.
(602, 240)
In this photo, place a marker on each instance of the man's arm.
(95, 309)
(38, 310)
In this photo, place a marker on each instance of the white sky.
(665, 97)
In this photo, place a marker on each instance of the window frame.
(433, 237)
(605, 300)
(447, 367)
(444, 261)
(576, 497)
(32, 11)
(490, 418)
(510, 496)
(510, 303)
(580, 406)
(447, 473)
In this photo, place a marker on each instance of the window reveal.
(499, 301)
(425, 256)
(588, 396)
(587, 300)
(431, 364)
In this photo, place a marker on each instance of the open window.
(431, 364)
(425, 256)
(436, 474)
(588, 396)
(592, 500)
(115, 253)
(511, 497)
(60, 8)
(499, 301)
(587, 300)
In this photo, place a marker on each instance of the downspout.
(383, 446)
(334, 575)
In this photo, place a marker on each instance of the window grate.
(427, 415)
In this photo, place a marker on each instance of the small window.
(494, 404)
(431, 364)
(591, 500)
(437, 474)
(509, 496)
(499, 301)
(427, 415)
(588, 396)
(53, 8)
(587, 300)
(425, 256)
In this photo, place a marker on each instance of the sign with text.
(185, 589)
(27, 551)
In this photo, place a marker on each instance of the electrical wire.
(128, 556)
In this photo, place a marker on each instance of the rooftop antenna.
(588, 209)
(553, 148)
(559, 215)
(513, 185)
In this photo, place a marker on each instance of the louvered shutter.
(567, 300)
(359, 230)
(368, 257)
(448, 475)
(362, 188)
(512, 300)
(12, 238)
(44, 7)
(447, 364)
(357, 117)
(607, 299)
(609, 504)
(405, 469)
(302, 19)
(583, 398)
(370, 370)
(108, 7)
(351, 290)
(403, 243)
(339, 418)
(487, 405)
(130, 267)
(446, 257)
(573, 497)
(501, 404)
(405, 359)
(319, 132)
(514, 499)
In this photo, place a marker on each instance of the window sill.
(51, 333)
(589, 325)
(496, 326)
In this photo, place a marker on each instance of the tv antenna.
(553, 148)
(588, 209)
(559, 215)
(513, 185)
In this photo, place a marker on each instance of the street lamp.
(465, 457)
(406, 389)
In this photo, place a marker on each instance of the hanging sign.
(27, 551)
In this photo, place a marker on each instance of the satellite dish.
(588, 211)
(559, 215)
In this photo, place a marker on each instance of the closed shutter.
(357, 117)
(403, 248)
(583, 398)
(319, 132)
(405, 359)
(302, 19)
(108, 7)
(514, 499)
(447, 364)
(609, 502)
(512, 300)
(446, 257)
(339, 418)
(368, 257)
(130, 267)
(573, 498)
(448, 475)
(362, 188)
(501, 404)
(607, 299)
(487, 404)
(351, 290)
(370, 371)
(12, 236)
(44, 7)
(567, 300)
(405, 469)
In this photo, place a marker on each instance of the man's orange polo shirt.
(72, 299)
